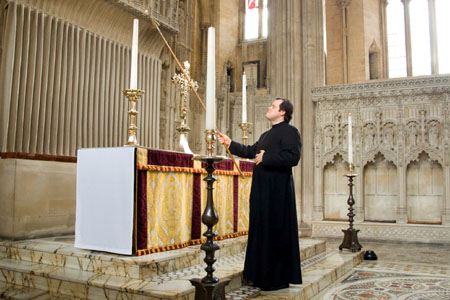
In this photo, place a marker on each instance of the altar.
(136, 201)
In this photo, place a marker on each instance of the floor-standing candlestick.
(209, 287)
(351, 234)
(132, 95)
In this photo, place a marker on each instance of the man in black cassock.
(272, 260)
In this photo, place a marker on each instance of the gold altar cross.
(182, 80)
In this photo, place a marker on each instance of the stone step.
(318, 273)
(16, 292)
(316, 276)
(60, 252)
(91, 285)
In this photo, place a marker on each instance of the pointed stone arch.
(425, 190)
(335, 189)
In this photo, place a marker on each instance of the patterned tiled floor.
(403, 271)
(196, 269)
(382, 286)
(242, 293)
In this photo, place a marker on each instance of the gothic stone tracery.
(400, 133)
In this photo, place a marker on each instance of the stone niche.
(400, 152)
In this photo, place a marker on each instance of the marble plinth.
(53, 266)
(414, 233)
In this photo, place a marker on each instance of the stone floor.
(406, 271)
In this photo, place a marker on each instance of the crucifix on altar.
(182, 80)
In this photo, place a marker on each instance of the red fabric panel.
(246, 166)
(172, 159)
(196, 208)
(226, 165)
(235, 202)
(142, 210)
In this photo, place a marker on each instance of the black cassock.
(272, 260)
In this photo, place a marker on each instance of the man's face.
(274, 113)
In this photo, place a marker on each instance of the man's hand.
(223, 139)
(259, 157)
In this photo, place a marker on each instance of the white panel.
(105, 199)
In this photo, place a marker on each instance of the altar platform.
(52, 268)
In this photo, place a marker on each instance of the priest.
(272, 259)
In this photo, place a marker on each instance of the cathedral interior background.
(65, 64)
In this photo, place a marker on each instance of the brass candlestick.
(351, 234)
(245, 126)
(210, 138)
(133, 96)
(350, 169)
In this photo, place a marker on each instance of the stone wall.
(37, 198)
(401, 138)
(355, 41)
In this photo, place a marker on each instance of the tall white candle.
(244, 98)
(350, 146)
(211, 81)
(134, 55)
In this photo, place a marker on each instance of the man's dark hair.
(288, 107)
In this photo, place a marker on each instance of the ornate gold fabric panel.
(244, 203)
(169, 200)
(223, 202)
(141, 156)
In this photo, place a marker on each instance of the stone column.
(446, 210)
(402, 217)
(358, 192)
(285, 52)
(446, 164)
(260, 23)
(384, 51)
(284, 66)
(313, 69)
(344, 4)
(433, 36)
(318, 181)
(407, 37)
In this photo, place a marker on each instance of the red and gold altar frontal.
(171, 197)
